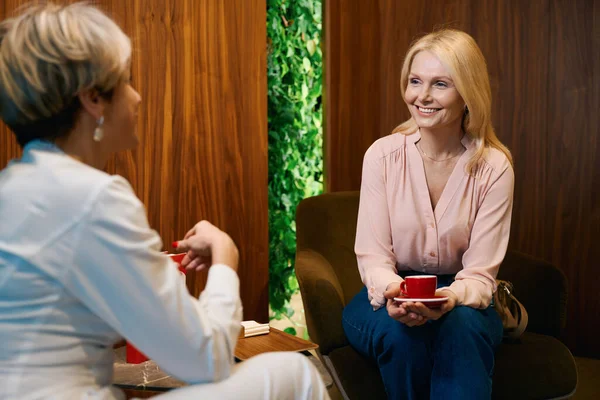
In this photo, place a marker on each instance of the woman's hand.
(206, 245)
(400, 312)
(433, 313)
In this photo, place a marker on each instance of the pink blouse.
(467, 233)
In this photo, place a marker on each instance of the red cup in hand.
(177, 258)
(419, 286)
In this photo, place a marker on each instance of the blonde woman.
(79, 266)
(436, 199)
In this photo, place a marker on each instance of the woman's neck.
(83, 148)
(440, 143)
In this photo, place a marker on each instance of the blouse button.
(432, 225)
(432, 254)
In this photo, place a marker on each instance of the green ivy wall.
(295, 69)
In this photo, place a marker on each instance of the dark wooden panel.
(365, 44)
(544, 67)
(517, 55)
(573, 148)
(9, 148)
(352, 53)
(200, 67)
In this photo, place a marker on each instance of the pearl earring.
(99, 131)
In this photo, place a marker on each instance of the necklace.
(433, 159)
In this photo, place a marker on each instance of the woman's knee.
(284, 362)
(403, 342)
(294, 375)
(281, 375)
(466, 322)
(463, 314)
(293, 365)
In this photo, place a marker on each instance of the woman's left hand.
(433, 313)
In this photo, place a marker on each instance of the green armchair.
(537, 366)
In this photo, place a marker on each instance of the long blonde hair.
(462, 57)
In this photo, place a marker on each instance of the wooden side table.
(147, 379)
(275, 340)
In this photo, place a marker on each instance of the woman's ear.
(92, 102)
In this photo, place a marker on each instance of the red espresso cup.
(419, 286)
(177, 258)
(133, 355)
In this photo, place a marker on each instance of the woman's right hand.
(206, 245)
(398, 311)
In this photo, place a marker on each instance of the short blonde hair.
(460, 54)
(49, 54)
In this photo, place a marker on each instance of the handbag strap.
(523, 320)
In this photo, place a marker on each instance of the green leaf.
(289, 311)
(291, 330)
(284, 69)
(304, 95)
(293, 283)
(290, 51)
(311, 47)
(317, 121)
(306, 64)
(285, 199)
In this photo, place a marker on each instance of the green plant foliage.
(290, 330)
(295, 69)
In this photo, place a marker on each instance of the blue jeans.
(451, 358)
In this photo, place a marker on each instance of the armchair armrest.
(541, 287)
(323, 300)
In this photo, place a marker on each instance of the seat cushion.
(537, 367)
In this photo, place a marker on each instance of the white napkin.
(253, 328)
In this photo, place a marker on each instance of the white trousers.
(277, 376)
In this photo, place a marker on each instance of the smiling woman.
(452, 66)
(436, 199)
(431, 95)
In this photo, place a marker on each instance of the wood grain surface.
(275, 340)
(200, 67)
(544, 62)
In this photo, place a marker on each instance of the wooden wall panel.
(572, 144)
(8, 145)
(352, 51)
(200, 67)
(544, 76)
(365, 42)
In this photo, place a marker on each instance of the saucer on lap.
(433, 302)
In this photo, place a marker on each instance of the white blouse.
(79, 269)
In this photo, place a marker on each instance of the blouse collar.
(43, 145)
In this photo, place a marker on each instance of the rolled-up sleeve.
(476, 282)
(373, 246)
